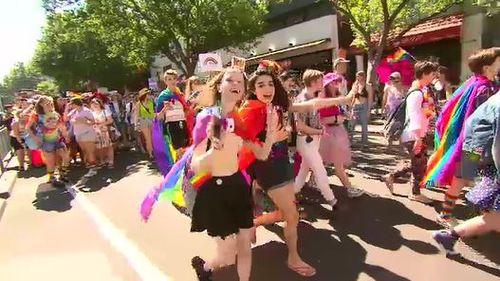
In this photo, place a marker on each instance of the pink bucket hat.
(331, 77)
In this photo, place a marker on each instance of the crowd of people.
(265, 134)
(238, 135)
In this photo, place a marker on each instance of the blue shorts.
(53, 146)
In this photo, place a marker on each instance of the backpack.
(395, 125)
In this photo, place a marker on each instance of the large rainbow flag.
(180, 175)
(449, 135)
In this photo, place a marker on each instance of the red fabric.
(252, 119)
(190, 115)
(297, 162)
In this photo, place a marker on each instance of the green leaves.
(74, 50)
(20, 77)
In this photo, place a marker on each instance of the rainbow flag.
(399, 55)
(449, 136)
(171, 187)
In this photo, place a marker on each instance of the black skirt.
(178, 132)
(223, 206)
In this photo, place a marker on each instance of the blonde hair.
(171, 72)
(311, 75)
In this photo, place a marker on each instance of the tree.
(20, 77)
(177, 29)
(492, 6)
(48, 87)
(73, 51)
(379, 22)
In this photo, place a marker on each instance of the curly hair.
(269, 68)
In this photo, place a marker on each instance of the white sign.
(152, 84)
(210, 62)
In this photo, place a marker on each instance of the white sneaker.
(92, 172)
(420, 198)
(333, 202)
(353, 192)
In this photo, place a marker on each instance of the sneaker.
(198, 265)
(64, 179)
(420, 198)
(445, 241)
(447, 221)
(92, 172)
(333, 202)
(353, 192)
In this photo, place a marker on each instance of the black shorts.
(15, 144)
(223, 206)
(276, 171)
(178, 132)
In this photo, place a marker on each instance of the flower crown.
(269, 66)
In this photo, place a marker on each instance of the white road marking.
(136, 259)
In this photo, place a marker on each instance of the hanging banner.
(210, 62)
(238, 62)
(152, 84)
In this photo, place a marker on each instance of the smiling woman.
(23, 34)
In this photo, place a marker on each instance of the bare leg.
(284, 199)
(225, 253)
(341, 174)
(244, 253)
(479, 225)
(146, 132)
(20, 153)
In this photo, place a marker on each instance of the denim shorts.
(53, 146)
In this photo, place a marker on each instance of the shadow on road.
(49, 198)
(126, 163)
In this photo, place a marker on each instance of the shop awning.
(433, 30)
(293, 51)
(437, 29)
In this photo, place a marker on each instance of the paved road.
(93, 232)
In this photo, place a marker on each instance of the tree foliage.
(377, 22)
(73, 51)
(20, 77)
(48, 87)
(178, 29)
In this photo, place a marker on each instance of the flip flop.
(304, 271)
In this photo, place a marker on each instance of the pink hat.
(331, 77)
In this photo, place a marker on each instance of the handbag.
(485, 195)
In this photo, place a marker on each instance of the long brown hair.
(38, 105)
(272, 69)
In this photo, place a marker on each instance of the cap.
(395, 75)
(339, 60)
(330, 77)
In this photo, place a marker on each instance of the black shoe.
(64, 179)
(197, 263)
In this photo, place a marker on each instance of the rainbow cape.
(449, 135)
(164, 153)
(180, 176)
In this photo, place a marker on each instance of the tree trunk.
(375, 54)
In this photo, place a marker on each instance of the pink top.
(330, 111)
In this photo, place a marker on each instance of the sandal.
(303, 270)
